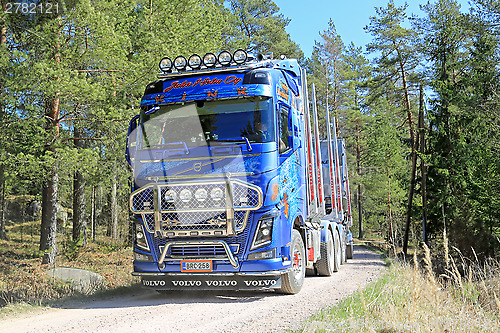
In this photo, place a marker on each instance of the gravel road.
(146, 311)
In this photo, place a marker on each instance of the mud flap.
(207, 282)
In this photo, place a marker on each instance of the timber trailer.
(232, 187)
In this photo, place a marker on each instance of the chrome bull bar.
(229, 255)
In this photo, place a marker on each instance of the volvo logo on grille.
(197, 166)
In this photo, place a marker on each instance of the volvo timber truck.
(228, 189)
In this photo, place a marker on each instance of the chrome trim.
(199, 158)
(230, 257)
(157, 208)
(230, 224)
(270, 273)
(214, 175)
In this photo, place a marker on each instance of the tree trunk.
(48, 234)
(421, 130)
(3, 233)
(79, 199)
(358, 170)
(3, 40)
(114, 210)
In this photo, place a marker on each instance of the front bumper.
(213, 281)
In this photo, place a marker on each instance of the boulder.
(81, 280)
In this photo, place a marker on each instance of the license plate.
(196, 266)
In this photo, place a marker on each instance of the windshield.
(199, 123)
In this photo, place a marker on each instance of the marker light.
(165, 65)
(180, 63)
(225, 58)
(240, 56)
(209, 60)
(194, 61)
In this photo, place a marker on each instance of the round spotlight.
(225, 58)
(180, 63)
(194, 61)
(201, 194)
(185, 195)
(209, 60)
(216, 194)
(170, 196)
(165, 65)
(240, 56)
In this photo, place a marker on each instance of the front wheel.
(292, 281)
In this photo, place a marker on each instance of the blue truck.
(232, 187)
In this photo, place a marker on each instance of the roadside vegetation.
(456, 295)
(24, 283)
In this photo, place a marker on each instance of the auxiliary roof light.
(209, 60)
(239, 56)
(165, 65)
(180, 63)
(194, 61)
(225, 58)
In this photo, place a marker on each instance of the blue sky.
(310, 17)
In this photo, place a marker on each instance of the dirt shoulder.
(146, 311)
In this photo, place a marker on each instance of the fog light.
(142, 257)
(269, 254)
(194, 61)
(240, 56)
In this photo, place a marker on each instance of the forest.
(419, 107)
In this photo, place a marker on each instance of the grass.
(24, 285)
(412, 297)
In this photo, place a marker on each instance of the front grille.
(203, 214)
(236, 243)
(197, 251)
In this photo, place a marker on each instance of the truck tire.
(292, 281)
(338, 251)
(349, 251)
(343, 246)
(325, 264)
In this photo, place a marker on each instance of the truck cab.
(221, 156)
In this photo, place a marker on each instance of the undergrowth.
(24, 281)
(413, 297)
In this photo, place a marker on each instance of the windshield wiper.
(237, 139)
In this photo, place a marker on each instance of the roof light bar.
(209, 60)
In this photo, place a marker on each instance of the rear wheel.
(292, 282)
(325, 264)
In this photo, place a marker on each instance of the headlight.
(264, 234)
(185, 195)
(239, 56)
(140, 237)
(170, 196)
(209, 60)
(201, 194)
(165, 65)
(216, 194)
(180, 63)
(225, 58)
(194, 61)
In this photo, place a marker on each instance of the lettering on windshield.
(206, 81)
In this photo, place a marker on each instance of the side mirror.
(294, 129)
(131, 144)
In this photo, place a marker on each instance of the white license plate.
(196, 266)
